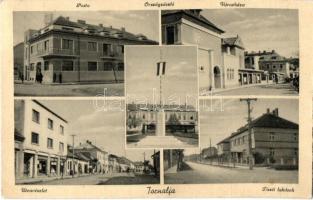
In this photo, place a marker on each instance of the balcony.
(112, 56)
(57, 52)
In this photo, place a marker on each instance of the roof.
(152, 107)
(89, 145)
(196, 18)
(97, 29)
(123, 160)
(226, 140)
(233, 41)
(45, 107)
(268, 120)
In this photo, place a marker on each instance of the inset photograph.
(77, 53)
(162, 96)
(242, 141)
(77, 142)
(240, 52)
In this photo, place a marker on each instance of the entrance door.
(217, 77)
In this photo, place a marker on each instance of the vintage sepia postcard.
(156, 99)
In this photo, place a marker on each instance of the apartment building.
(40, 140)
(75, 51)
(274, 140)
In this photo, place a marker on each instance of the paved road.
(272, 89)
(68, 90)
(201, 173)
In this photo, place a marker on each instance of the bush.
(259, 158)
(285, 167)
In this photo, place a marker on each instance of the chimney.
(123, 29)
(268, 111)
(264, 51)
(111, 27)
(273, 51)
(81, 21)
(101, 25)
(67, 18)
(275, 112)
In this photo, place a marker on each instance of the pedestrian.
(40, 77)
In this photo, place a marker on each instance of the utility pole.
(248, 100)
(73, 136)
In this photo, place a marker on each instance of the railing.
(112, 55)
(57, 51)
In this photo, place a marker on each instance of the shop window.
(50, 124)
(36, 116)
(46, 65)
(120, 67)
(35, 138)
(67, 65)
(92, 66)
(107, 66)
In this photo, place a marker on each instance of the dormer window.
(67, 29)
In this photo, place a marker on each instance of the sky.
(219, 118)
(144, 22)
(180, 77)
(88, 120)
(260, 29)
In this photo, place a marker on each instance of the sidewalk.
(216, 91)
(40, 179)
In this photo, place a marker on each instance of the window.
(36, 116)
(267, 66)
(143, 116)
(50, 124)
(295, 136)
(67, 44)
(274, 66)
(272, 136)
(120, 67)
(107, 66)
(92, 46)
(107, 49)
(26, 52)
(46, 45)
(67, 65)
(35, 138)
(49, 143)
(67, 29)
(272, 152)
(170, 34)
(191, 118)
(61, 129)
(274, 57)
(46, 65)
(252, 60)
(281, 66)
(61, 147)
(120, 49)
(31, 49)
(92, 66)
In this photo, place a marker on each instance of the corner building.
(67, 51)
(42, 140)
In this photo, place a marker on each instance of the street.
(116, 89)
(104, 179)
(271, 89)
(202, 173)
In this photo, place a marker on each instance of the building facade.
(42, 140)
(99, 159)
(143, 118)
(274, 140)
(276, 67)
(67, 51)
